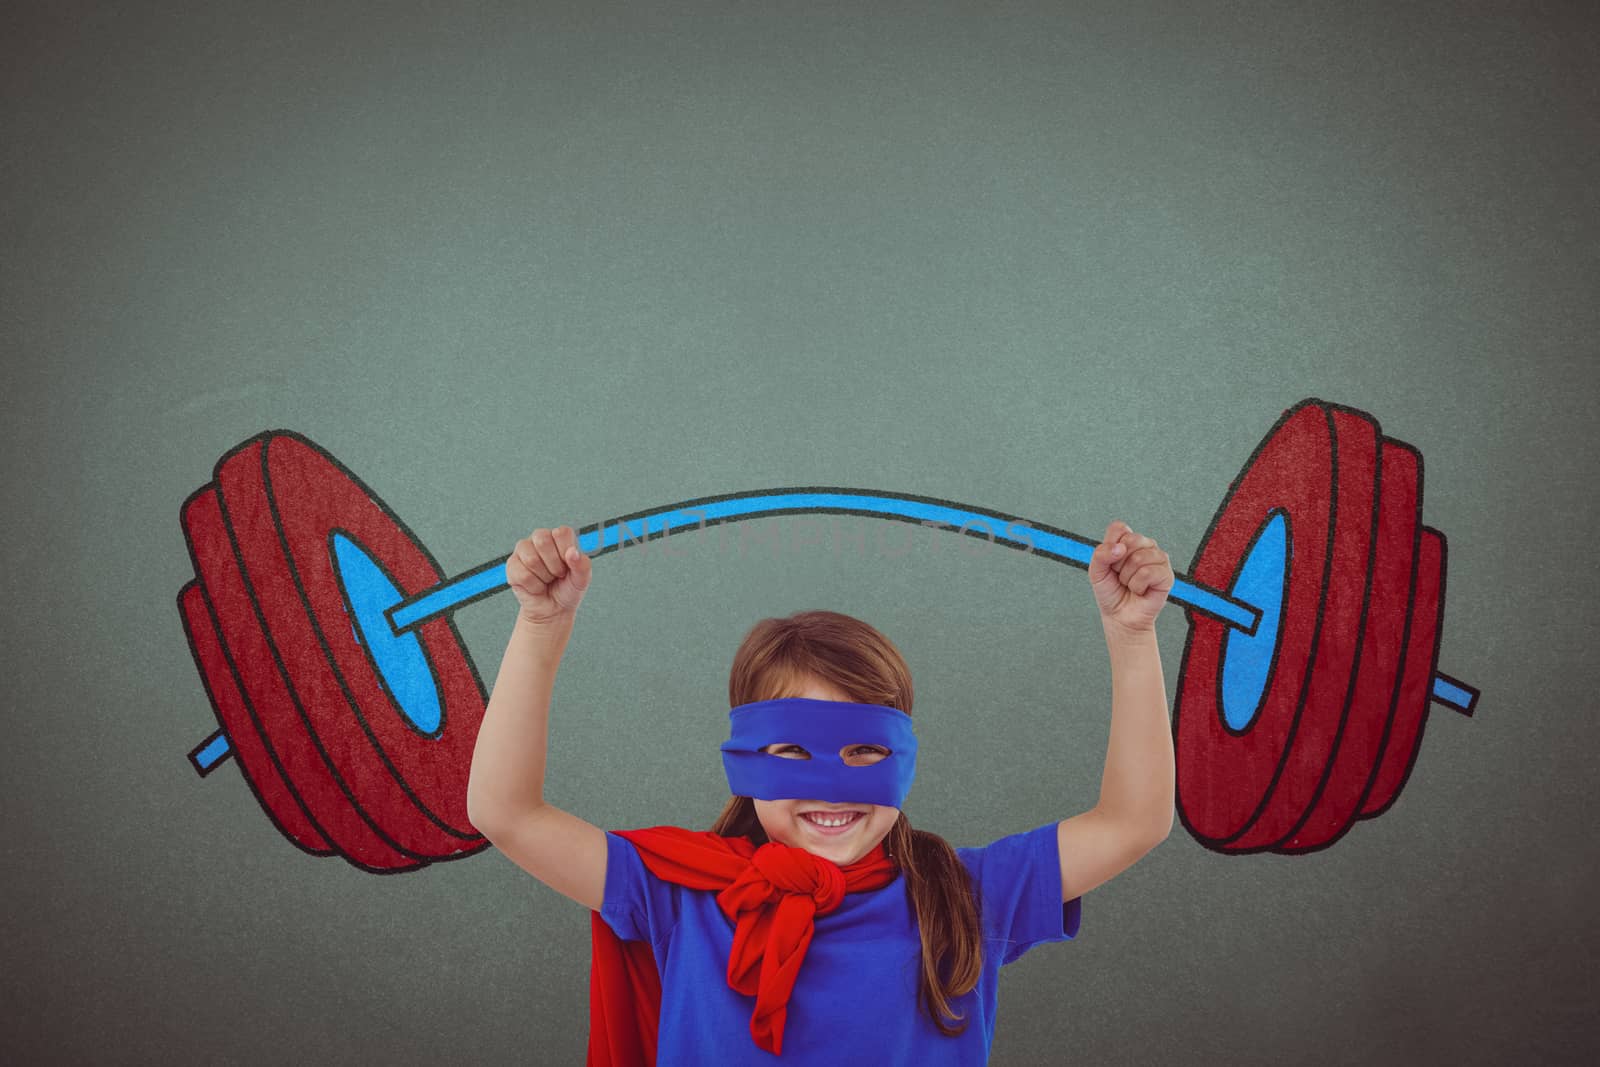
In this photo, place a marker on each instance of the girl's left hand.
(1131, 577)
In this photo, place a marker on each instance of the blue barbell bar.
(1035, 538)
(369, 589)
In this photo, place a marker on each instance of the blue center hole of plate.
(1247, 660)
(402, 664)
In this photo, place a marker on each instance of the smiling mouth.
(833, 825)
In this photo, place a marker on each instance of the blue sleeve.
(637, 905)
(1019, 882)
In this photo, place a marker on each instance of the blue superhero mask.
(825, 729)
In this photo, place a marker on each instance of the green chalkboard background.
(531, 263)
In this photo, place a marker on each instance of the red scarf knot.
(777, 871)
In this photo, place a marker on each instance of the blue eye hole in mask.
(829, 730)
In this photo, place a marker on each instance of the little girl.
(811, 924)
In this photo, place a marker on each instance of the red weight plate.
(1325, 695)
(411, 786)
(1416, 681)
(1374, 696)
(234, 715)
(264, 667)
(1231, 782)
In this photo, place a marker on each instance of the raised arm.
(505, 789)
(1135, 810)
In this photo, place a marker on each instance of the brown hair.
(776, 658)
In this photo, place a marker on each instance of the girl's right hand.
(548, 573)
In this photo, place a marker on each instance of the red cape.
(771, 893)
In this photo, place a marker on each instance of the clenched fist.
(548, 574)
(1131, 577)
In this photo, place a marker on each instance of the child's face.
(783, 819)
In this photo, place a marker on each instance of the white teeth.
(831, 820)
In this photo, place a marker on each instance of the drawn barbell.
(322, 630)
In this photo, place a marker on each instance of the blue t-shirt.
(855, 1000)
